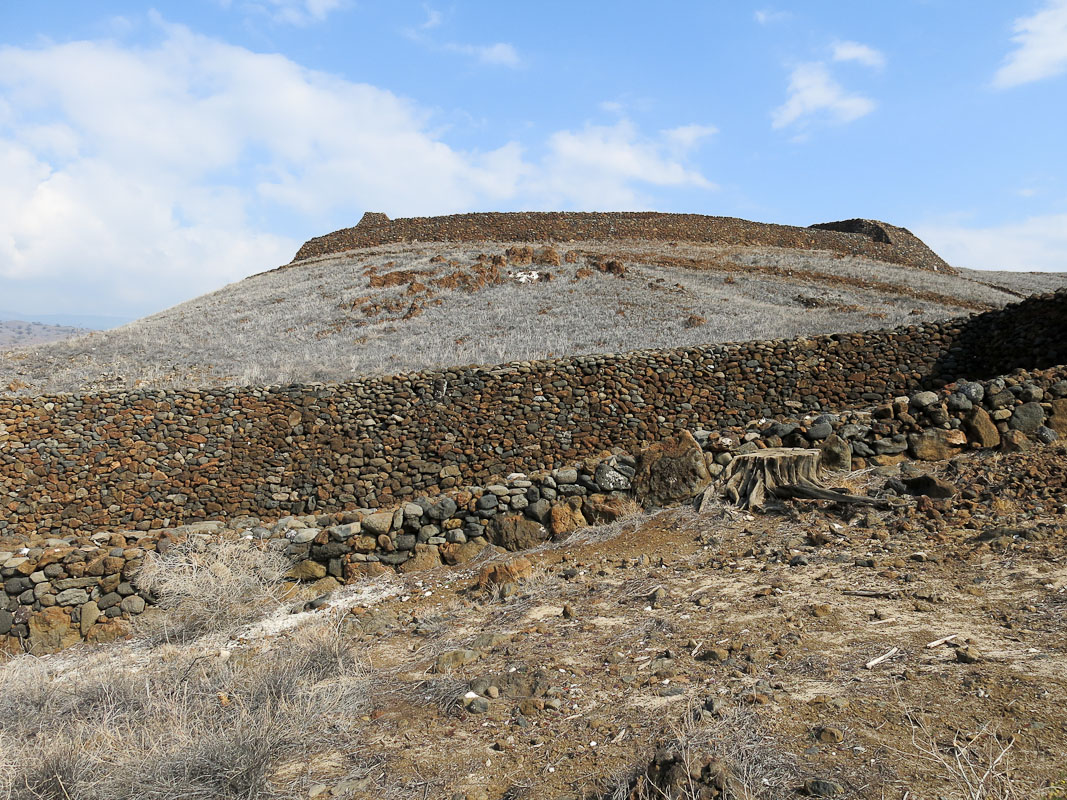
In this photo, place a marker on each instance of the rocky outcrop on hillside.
(877, 240)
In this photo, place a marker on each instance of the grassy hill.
(409, 306)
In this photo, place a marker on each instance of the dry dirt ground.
(411, 307)
(918, 652)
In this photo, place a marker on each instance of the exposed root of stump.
(783, 473)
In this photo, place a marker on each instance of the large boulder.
(1027, 418)
(51, 630)
(426, 557)
(515, 532)
(936, 444)
(671, 471)
(510, 571)
(600, 509)
(567, 517)
(835, 453)
(456, 553)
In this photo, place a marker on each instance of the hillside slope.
(408, 306)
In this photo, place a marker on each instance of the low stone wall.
(151, 459)
(877, 240)
(68, 589)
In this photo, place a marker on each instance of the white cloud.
(861, 53)
(136, 177)
(596, 168)
(813, 91)
(768, 17)
(1041, 47)
(1037, 244)
(499, 54)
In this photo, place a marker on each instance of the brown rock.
(671, 471)
(830, 735)
(451, 659)
(1057, 420)
(600, 509)
(455, 553)
(426, 557)
(566, 517)
(936, 444)
(546, 257)
(1014, 442)
(108, 631)
(930, 486)
(51, 630)
(511, 571)
(358, 570)
(324, 585)
(888, 460)
(980, 428)
(519, 256)
(90, 613)
(515, 532)
(307, 571)
(835, 453)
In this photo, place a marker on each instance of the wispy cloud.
(500, 54)
(768, 16)
(290, 12)
(497, 54)
(1041, 47)
(686, 137)
(813, 92)
(433, 18)
(860, 53)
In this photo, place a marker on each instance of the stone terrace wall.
(868, 238)
(149, 459)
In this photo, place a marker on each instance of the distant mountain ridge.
(95, 322)
(19, 333)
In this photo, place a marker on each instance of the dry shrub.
(976, 765)
(205, 585)
(181, 723)
(728, 754)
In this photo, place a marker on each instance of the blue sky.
(149, 154)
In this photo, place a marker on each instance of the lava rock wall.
(155, 458)
(869, 238)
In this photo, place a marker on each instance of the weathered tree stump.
(751, 477)
(781, 472)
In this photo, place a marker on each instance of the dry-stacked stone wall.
(877, 240)
(155, 458)
(59, 591)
